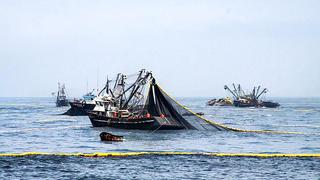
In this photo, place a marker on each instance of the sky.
(193, 47)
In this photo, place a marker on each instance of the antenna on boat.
(58, 94)
(97, 77)
(87, 90)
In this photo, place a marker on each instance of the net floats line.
(135, 154)
(230, 128)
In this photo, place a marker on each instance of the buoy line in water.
(130, 154)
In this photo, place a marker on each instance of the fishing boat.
(81, 107)
(61, 96)
(251, 99)
(130, 106)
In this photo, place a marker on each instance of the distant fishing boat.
(251, 99)
(61, 96)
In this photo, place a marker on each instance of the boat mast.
(239, 90)
(134, 86)
(235, 89)
(253, 95)
(137, 86)
(227, 88)
(58, 94)
(116, 82)
(258, 91)
(122, 94)
(107, 85)
(263, 91)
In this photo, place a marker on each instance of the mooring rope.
(129, 154)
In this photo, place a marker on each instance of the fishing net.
(161, 104)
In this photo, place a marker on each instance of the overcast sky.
(193, 47)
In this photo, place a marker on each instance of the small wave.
(305, 109)
(55, 120)
(41, 129)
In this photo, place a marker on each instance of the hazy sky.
(193, 47)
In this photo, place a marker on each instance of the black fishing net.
(161, 104)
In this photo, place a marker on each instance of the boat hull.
(61, 103)
(79, 109)
(267, 104)
(154, 123)
(237, 103)
(270, 104)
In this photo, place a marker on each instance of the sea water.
(34, 125)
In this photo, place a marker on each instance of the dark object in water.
(80, 108)
(104, 136)
(200, 113)
(61, 96)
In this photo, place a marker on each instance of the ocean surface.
(34, 125)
